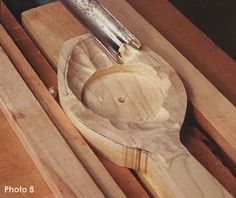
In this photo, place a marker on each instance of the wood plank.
(20, 37)
(59, 22)
(40, 137)
(62, 20)
(202, 52)
(131, 189)
(80, 147)
(218, 122)
(17, 169)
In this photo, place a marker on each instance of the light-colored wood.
(203, 53)
(212, 110)
(66, 128)
(132, 114)
(122, 176)
(44, 21)
(27, 46)
(17, 169)
(64, 174)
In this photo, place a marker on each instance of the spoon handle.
(182, 176)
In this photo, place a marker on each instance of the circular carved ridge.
(125, 93)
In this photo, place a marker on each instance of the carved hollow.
(132, 104)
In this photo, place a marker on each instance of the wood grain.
(57, 21)
(128, 183)
(123, 177)
(27, 46)
(40, 137)
(203, 53)
(218, 122)
(141, 138)
(196, 146)
(17, 169)
(80, 147)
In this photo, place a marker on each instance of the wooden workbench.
(14, 172)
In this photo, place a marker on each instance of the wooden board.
(20, 37)
(203, 53)
(17, 169)
(40, 137)
(202, 94)
(52, 45)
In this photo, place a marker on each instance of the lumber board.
(131, 189)
(218, 122)
(40, 137)
(203, 53)
(17, 169)
(62, 20)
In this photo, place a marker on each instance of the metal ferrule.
(106, 29)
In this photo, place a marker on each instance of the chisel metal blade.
(105, 27)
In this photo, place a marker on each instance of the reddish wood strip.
(127, 183)
(27, 46)
(204, 155)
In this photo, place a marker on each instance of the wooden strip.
(55, 24)
(204, 155)
(212, 110)
(131, 189)
(17, 169)
(128, 184)
(202, 52)
(40, 138)
(20, 37)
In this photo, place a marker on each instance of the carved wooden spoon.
(132, 114)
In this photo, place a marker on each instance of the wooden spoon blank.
(132, 114)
